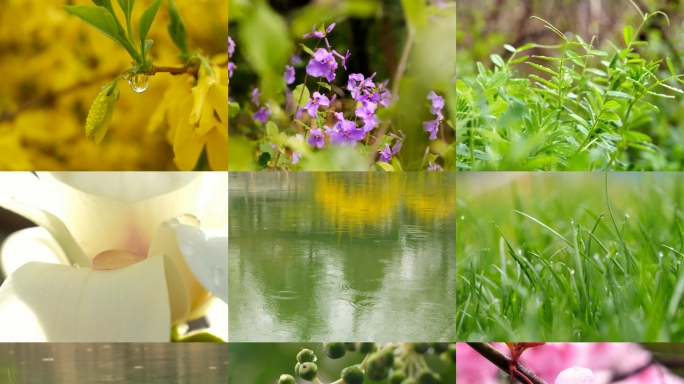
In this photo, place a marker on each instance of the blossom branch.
(193, 70)
(502, 361)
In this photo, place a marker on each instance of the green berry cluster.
(401, 363)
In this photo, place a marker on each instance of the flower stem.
(502, 361)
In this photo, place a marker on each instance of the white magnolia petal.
(217, 316)
(130, 226)
(128, 187)
(27, 245)
(23, 194)
(204, 250)
(46, 302)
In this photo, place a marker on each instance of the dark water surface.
(342, 256)
(115, 363)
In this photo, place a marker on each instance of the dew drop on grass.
(139, 83)
(660, 254)
(627, 215)
(572, 271)
(519, 251)
(462, 217)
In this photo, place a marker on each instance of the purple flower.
(262, 115)
(322, 64)
(289, 74)
(400, 141)
(295, 59)
(231, 67)
(255, 96)
(431, 126)
(273, 145)
(316, 139)
(330, 28)
(437, 103)
(320, 35)
(358, 84)
(344, 131)
(231, 47)
(386, 154)
(295, 157)
(317, 99)
(434, 167)
(370, 122)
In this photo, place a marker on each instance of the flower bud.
(100, 114)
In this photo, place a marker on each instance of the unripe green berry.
(425, 377)
(440, 347)
(421, 347)
(334, 350)
(352, 375)
(409, 381)
(397, 365)
(386, 356)
(365, 347)
(397, 377)
(306, 356)
(286, 379)
(449, 356)
(375, 370)
(351, 347)
(297, 368)
(308, 371)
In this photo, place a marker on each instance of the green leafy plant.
(581, 109)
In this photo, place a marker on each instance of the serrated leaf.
(627, 34)
(147, 18)
(271, 130)
(98, 17)
(497, 60)
(324, 85)
(301, 95)
(176, 28)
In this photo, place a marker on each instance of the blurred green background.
(263, 363)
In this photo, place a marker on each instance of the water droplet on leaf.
(139, 83)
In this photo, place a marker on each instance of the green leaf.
(271, 130)
(264, 158)
(611, 104)
(670, 66)
(301, 95)
(385, 166)
(325, 85)
(147, 18)
(619, 94)
(127, 7)
(233, 109)
(509, 48)
(301, 123)
(628, 33)
(543, 68)
(307, 49)
(98, 17)
(176, 28)
(146, 47)
(610, 116)
(497, 60)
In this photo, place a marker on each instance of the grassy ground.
(558, 256)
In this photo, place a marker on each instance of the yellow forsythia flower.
(100, 114)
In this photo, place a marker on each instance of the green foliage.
(552, 257)
(581, 108)
(176, 28)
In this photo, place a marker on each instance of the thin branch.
(623, 376)
(502, 361)
(174, 70)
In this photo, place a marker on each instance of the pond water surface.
(115, 363)
(342, 256)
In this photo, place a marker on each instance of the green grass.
(558, 257)
(582, 105)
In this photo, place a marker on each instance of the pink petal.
(575, 375)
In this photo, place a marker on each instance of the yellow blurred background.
(53, 65)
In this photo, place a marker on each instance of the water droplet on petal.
(219, 273)
(189, 219)
(139, 83)
(76, 265)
